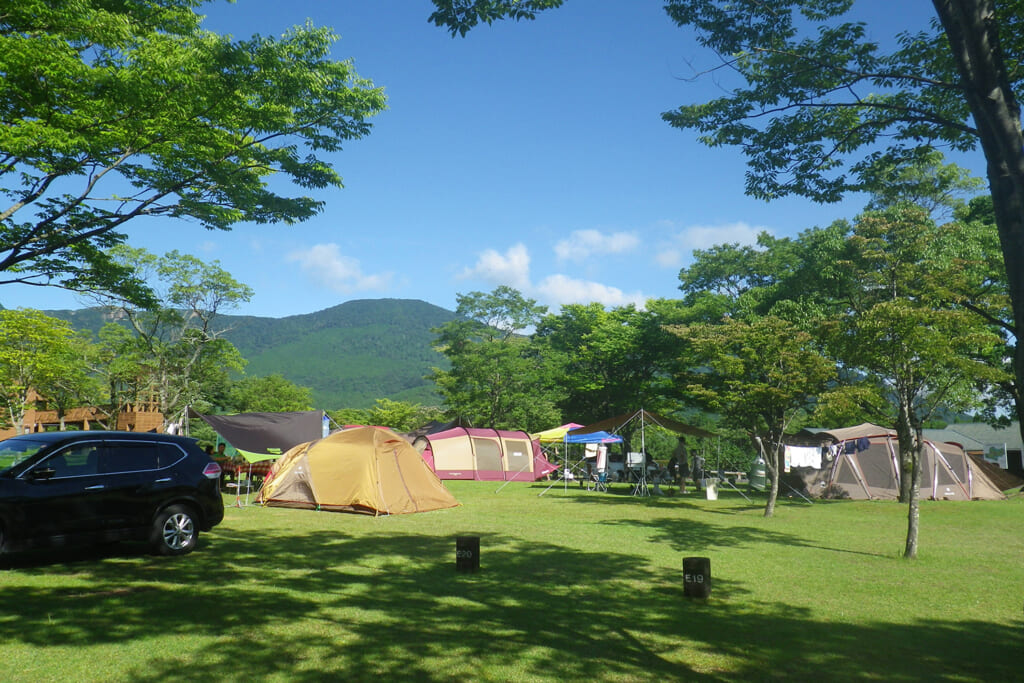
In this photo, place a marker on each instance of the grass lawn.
(574, 585)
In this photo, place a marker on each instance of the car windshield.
(14, 451)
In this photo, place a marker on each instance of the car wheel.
(175, 531)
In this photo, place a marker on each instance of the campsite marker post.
(697, 577)
(467, 553)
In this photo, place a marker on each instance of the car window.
(124, 456)
(170, 454)
(77, 460)
(14, 451)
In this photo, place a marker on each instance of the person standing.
(697, 471)
(682, 462)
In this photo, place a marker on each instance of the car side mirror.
(41, 473)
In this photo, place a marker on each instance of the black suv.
(63, 488)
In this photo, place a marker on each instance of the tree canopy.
(497, 379)
(120, 110)
(36, 351)
(761, 376)
(173, 350)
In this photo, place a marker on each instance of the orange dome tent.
(365, 469)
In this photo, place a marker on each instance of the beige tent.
(863, 463)
(365, 469)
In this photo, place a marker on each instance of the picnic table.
(252, 470)
(237, 469)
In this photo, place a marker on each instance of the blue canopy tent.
(593, 437)
(596, 437)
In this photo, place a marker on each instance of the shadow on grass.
(684, 534)
(319, 604)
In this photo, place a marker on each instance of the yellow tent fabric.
(555, 434)
(365, 469)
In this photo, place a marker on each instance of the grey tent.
(862, 462)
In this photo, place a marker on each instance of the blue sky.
(529, 155)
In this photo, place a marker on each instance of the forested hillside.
(349, 355)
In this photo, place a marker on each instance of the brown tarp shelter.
(863, 463)
(365, 469)
(263, 436)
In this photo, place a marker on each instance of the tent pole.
(798, 493)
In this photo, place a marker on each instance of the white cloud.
(584, 244)
(511, 268)
(561, 289)
(680, 246)
(327, 266)
(669, 257)
(704, 236)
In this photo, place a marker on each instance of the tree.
(761, 376)
(74, 385)
(977, 282)
(824, 105)
(175, 348)
(35, 351)
(737, 280)
(611, 362)
(397, 415)
(496, 379)
(269, 394)
(461, 15)
(501, 314)
(931, 184)
(923, 354)
(119, 361)
(117, 111)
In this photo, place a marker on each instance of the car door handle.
(97, 487)
(162, 481)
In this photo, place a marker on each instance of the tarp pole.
(565, 463)
(721, 475)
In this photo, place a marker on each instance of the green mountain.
(350, 355)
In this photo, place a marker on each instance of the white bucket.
(711, 487)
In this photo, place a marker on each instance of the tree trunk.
(973, 33)
(914, 507)
(18, 422)
(773, 463)
(906, 445)
(18, 414)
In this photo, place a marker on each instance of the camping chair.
(242, 469)
(598, 481)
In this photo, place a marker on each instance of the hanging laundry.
(803, 456)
